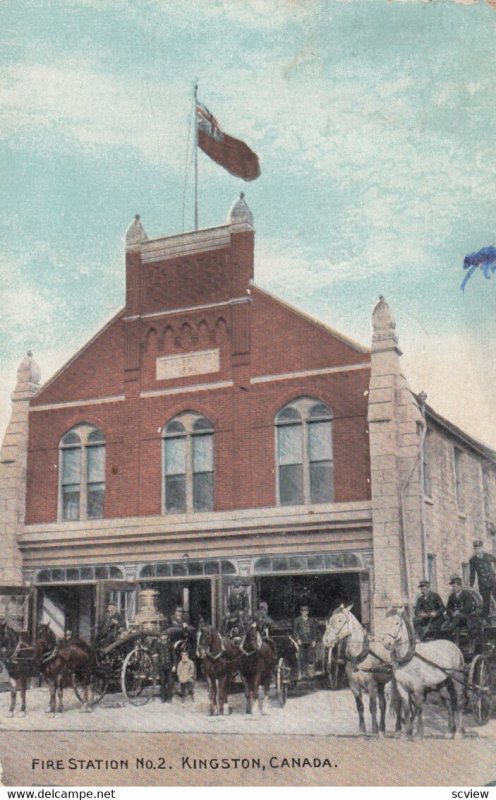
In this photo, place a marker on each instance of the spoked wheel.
(78, 686)
(479, 684)
(138, 677)
(334, 669)
(282, 673)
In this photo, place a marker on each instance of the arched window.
(188, 464)
(304, 453)
(82, 473)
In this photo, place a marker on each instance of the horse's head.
(339, 626)
(396, 632)
(204, 640)
(252, 639)
(46, 639)
(5, 638)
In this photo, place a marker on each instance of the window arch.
(82, 473)
(188, 464)
(304, 453)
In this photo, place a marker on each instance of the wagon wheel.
(99, 687)
(282, 673)
(334, 669)
(78, 687)
(479, 684)
(138, 677)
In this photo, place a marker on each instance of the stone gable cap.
(28, 370)
(135, 234)
(240, 212)
(382, 317)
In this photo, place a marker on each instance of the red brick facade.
(257, 336)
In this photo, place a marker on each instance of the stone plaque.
(182, 366)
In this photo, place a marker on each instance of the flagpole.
(195, 117)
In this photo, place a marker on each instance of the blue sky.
(374, 122)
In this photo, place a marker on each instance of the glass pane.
(175, 456)
(43, 576)
(288, 414)
(263, 565)
(101, 572)
(203, 453)
(228, 568)
(58, 574)
(319, 441)
(319, 410)
(175, 427)
(291, 485)
(297, 563)
(289, 444)
(87, 573)
(316, 562)
(148, 571)
(203, 424)
(212, 568)
(70, 501)
(71, 438)
(96, 500)
(321, 482)
(280, 564)
(163, 570)
(72, 574)
(203, 491)
(71, 466)
(179, 569)
(175, 493)
(96, 464)
(195, 568)
(115, 572)
(96, 436)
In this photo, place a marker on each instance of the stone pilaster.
(13, 463)
(394, 435)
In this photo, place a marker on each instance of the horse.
(220, 661)
(20, 662)
(368, 670)
(422, 667)
(62, 664)
(256, 666)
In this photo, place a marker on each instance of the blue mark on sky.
(484, 259)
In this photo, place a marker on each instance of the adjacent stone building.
(212, 439)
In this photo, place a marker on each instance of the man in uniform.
(429, 612)
(166, 665)
(462, 609)
(305, 633)
(480, 565)
(112, 624)
(262, 619)
(234, 623)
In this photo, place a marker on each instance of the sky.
(374, 122)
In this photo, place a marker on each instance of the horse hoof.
(10, 714)
(21, 714)
(397, 735)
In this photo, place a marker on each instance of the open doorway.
(323, 593)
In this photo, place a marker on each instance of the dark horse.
(256, 666)
(220, 661)
(63, 664)
(21, 664)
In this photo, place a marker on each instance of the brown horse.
(21, 664)
(63, 664)
(256, 666)
(220, 660)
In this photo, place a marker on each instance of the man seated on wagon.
(429, 612)
(234, 622)
(463, 611)
(110, 627)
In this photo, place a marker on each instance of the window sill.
(462, 515)
(428, 500)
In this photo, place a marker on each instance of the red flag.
(232, 154)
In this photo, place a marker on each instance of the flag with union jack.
(232, 154)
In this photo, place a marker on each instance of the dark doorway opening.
(323, 593)
(194, 596)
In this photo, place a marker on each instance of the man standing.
(429, 612)
(305, 633)
(262, 619)
(166, 664)
(480, 565)
(462, 609)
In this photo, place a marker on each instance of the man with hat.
(462, 609)
(429, 612)
(480, 565)
(305, 633)
(111, 626)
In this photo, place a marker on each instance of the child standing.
(186, 676)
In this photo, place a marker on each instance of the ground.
(310, 709)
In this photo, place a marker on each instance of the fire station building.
(212, 436)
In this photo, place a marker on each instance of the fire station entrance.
(322, 593)
(194, 596)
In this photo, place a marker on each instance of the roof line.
(327, 328)
(115, 315)
(479, 447)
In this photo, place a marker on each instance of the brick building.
(211, 436)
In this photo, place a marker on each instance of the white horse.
(368, 668)
(422, 667)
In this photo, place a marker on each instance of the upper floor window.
(426, 467)
(188, 464)
(304, 453)
(458, 458)
(82, 473)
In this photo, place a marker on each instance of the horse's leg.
(404, 701)
(23, 681)
(357, 694)
(52, 689)
(382, 707)
(60, 693)
(212, 693)
(13, 692)
(419, 702)
(373, 706)
(397, 706)
(221, 695)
